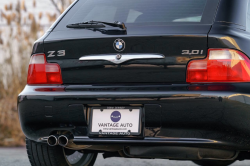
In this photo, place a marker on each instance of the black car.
(166, 79)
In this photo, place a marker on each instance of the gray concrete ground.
(18, 157)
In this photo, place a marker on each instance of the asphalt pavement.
(18, 157)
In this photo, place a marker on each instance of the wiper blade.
(85, 25)
(97, 24)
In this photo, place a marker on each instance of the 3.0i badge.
(119, 45)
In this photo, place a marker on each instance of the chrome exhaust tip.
(63, 140)
(52, 140)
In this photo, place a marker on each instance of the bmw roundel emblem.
(119, 45)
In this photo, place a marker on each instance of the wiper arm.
(115, 24)
(97, 24)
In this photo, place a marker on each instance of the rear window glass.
(248, 17)
(142, 11)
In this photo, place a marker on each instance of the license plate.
(120, 121)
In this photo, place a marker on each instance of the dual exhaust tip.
(61, 140)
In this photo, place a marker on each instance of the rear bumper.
(216, 117)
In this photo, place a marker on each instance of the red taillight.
(41, 72)
(221, 65)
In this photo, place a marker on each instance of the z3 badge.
(59, 53)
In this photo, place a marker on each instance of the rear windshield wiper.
(97, 24)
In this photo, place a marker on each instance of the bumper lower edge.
(150, 141)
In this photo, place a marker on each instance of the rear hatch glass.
(133, 12)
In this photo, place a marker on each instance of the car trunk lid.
(176, 44)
